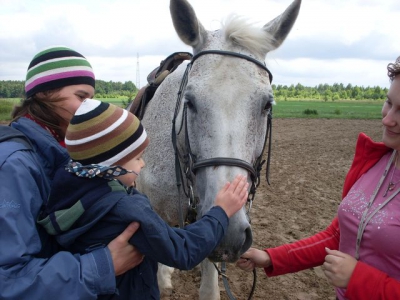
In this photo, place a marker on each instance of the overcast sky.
(333, 41)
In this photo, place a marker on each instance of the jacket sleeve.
(179, 248)
(26, 271)
(304, 254)
(366, 282)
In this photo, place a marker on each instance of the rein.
(191, 165)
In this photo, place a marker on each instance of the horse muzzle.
(232, 246)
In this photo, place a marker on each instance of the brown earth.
(310, 159)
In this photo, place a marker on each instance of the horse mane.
(240, 31)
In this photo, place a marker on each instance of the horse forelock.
(240, 31)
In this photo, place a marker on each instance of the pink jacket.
(366, 282)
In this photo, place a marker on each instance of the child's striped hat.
(57, 67)
(104, 134)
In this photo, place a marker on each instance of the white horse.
(220, 124)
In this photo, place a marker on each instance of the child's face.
(135, 164)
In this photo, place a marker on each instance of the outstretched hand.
(338, 267)
(233, 195)
(253, 258)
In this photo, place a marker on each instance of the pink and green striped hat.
(57, 67)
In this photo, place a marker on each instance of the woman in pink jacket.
(359, 251)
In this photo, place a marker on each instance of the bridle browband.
(191, 165)
(230, 53)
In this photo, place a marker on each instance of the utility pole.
(137, 73)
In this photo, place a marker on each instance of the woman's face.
(391, 116)
(72, 96)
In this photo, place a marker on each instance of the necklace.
(392, 184)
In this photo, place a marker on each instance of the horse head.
(225, 106)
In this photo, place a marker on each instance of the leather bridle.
(189, 160)
(191, 164)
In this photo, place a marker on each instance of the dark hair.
(41, 106)
(394, 69)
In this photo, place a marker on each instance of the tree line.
(324, 92)
(104, 89)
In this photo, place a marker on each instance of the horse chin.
(226, 252)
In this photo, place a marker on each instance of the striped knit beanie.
(104, 134)
(57, 67)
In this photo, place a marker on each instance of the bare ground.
(310, 158)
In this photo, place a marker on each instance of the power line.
(137, 73)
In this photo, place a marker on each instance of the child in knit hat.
(89, 204)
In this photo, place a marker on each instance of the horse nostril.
(248, 241)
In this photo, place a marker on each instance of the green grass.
(121, 102)
(284, 109)
(328, 110)
(6, 106)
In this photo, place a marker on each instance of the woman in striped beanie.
(90, 204)
(58, 79)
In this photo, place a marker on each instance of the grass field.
(122, 102)
(6, 105)
(328, 110)
(283, 109)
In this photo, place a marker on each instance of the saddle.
(154, 79)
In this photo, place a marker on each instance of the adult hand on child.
(253, 258)
(338, 267)
(233, 195)
(124, 255)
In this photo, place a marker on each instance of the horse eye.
(190, 103)
(268, 106)
(268, 103)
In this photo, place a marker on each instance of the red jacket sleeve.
(367, 282)
(304, 254)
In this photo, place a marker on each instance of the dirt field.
(310, 159)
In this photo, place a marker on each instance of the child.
(89, 204)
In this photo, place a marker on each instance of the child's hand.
(338, 267)
(253, 258)
(233, 195)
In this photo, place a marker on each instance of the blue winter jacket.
(31, 265)
(87, 212)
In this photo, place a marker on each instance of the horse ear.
(187, 26)
(280, 27)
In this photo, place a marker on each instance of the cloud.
(342, 41)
